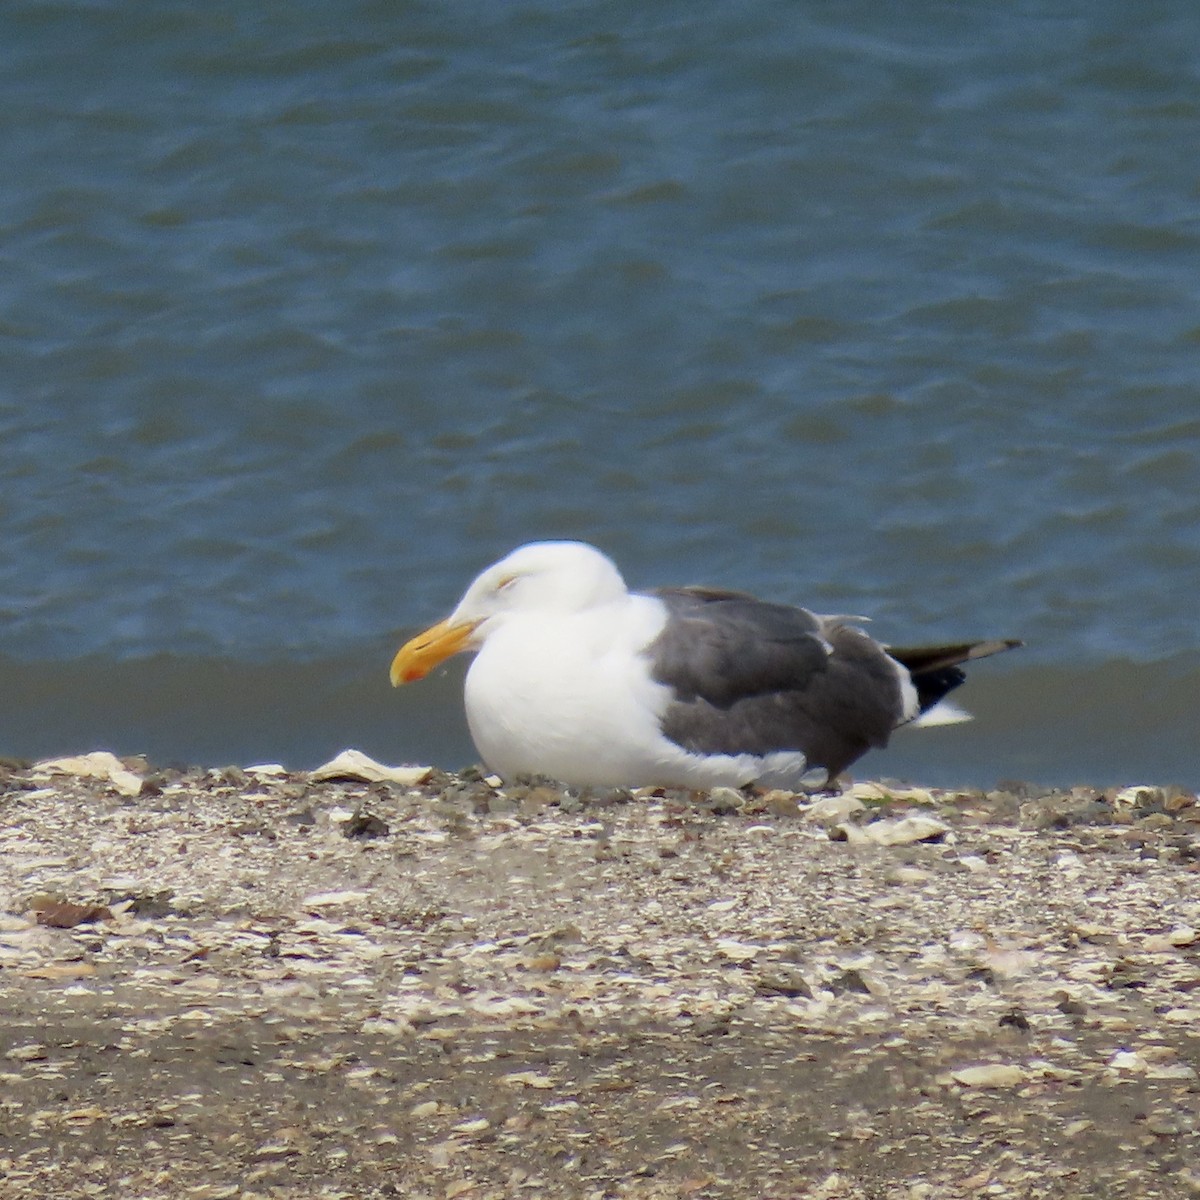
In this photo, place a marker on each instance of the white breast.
(569, 695)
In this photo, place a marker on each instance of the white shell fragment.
(992, 1075)
(100, 764)
(528, 1079)
(829, 810)
(738, 952)
(354, 764)
(1129, 797)
(878, 793)
(334, 899)
(905, 831)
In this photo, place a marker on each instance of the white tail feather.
(942, 713)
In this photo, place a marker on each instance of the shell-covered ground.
(255, 983)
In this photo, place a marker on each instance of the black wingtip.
(936, 670)
(995, 646)
(919, 659)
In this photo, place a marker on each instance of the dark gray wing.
(750, 678)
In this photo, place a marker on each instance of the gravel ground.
(250, 983)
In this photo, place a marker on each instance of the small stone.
(724, 801)
(1015, 1019)
(1156, 822)
(1138, 796)
(784, 980)
(365, 825)
(973, 864)
(62, 914)
(781, 804)
(850, 980)
(847, 831)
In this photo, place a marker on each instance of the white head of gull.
(577, 678)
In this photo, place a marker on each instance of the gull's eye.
(506, 583)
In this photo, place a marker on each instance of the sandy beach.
(255, 983)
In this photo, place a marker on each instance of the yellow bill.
(418, 656)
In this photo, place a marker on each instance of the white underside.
(570, 696)
(942, 713)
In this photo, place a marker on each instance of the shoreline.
(254, 982)
(1102, 723)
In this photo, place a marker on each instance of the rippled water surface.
(307, 312)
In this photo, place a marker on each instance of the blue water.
(308, 312)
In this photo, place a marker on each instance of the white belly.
(566, 696)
